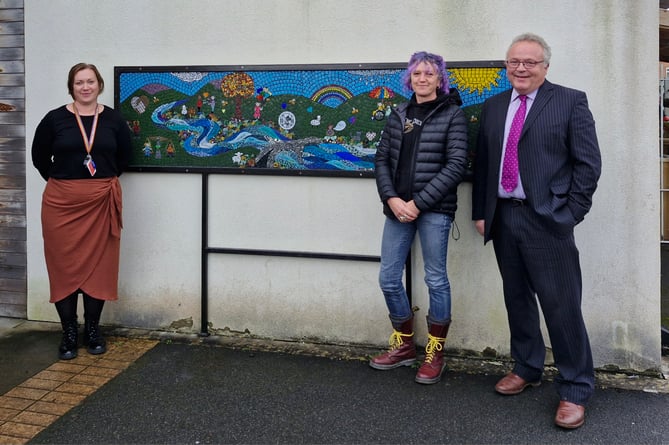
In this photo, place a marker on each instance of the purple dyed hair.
(435, 61)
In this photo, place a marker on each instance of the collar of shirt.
(530, 99)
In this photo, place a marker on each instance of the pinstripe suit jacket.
(558, 154)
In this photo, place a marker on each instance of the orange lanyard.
(88, 142)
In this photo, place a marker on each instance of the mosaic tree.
(237, 86)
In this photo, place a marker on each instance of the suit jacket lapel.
(495, 124)
(499, 117)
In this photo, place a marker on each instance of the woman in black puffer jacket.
(420, 161)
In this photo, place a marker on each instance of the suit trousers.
(539, 265)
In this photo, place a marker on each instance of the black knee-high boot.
(93, 339)
(67, 311)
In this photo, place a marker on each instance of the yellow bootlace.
(396, 340)
(434, 344)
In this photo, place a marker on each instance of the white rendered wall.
(607, 48)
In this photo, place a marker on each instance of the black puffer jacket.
(440, 158)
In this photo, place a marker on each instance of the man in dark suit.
(531, 187)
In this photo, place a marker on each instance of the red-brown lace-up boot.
(433, 366)
(402, 351)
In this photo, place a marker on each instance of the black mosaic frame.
(304, 120)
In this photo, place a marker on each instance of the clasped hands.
(404, 211)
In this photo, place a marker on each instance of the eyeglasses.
(529, 64)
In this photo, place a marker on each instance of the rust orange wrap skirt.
(81, 227)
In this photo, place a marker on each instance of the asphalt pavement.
(239, 390)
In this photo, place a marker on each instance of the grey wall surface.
(607, 48)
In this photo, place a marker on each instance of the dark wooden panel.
(9, 273)
(10, 143)
(13, 155)
(12, 197)
(12, 80)
(11, 40)
(7, 245)
(8, 196)
(12, 285)
(13, 221)
(13, 310)
(12, 272)
(12, 131)
(12, 117)
(12, 28)
(12, 66)
(9, 4)
(12, 168)
(15, 104)
(15, 92)
(15, 233)
(11, 235)
(14, 208)
(13, 261)
(12, 54)
(12, 182)
(11, 296)
(11, 15)
(16, 297)
(13, 239)
(13, 257)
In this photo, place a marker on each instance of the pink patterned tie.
(510, 167)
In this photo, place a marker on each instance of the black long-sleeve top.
(58, 149)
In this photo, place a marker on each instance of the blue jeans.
(433, 230)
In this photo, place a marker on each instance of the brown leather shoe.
(512, 384)
(569, 415)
